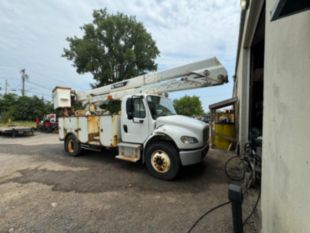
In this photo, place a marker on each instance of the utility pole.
(6, 87)
(24, 78)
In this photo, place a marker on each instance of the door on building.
(257, 80)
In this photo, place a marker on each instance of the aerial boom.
(204, 73)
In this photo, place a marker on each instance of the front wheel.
(162, 160)
(72, 146)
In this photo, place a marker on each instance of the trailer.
(14, 131)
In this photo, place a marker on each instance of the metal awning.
(223, 103)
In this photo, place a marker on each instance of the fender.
(171, 133)
(67, 135)
(155, 136)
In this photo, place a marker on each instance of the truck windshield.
(160, 106)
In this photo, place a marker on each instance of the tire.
(72, 146)
(163, 161)
(49, 130)
(14, 133)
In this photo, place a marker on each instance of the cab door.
(135, 120)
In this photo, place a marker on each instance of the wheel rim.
(71, 146)
(160, 161)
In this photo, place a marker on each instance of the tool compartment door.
(110, 130)
(61, 128)
(83, 130)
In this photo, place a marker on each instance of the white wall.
(243, 70)
(286, 127)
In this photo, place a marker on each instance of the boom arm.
(204, 73)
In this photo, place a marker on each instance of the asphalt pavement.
(44, 190)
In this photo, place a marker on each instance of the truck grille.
(206, 134)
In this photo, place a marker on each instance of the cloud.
(33, 36)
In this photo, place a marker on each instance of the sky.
(33, 34)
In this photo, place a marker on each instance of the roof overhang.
(284, 8)
(223, 104)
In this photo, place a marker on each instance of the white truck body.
(147, 128)
(97, 130)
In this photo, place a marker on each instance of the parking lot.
(44, 190)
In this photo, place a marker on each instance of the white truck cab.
(147, 128)
(152, 121)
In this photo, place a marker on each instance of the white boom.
(204, 73)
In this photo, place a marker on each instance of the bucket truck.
(147, 128)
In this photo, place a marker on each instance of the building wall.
(285, 200)
(285, 204)
(241, 87)
(243, 99)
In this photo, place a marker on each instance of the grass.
(19, 123)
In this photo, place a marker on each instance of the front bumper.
(189, 157)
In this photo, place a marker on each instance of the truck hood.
(176, 126)
(182, 121)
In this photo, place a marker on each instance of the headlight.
(189, 140)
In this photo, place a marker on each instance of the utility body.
(147, 127)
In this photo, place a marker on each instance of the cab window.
(138, 108)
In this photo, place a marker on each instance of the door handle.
(137, 121)
(125, 128)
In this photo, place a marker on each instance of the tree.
(113, 48)
(6, 104)
(188, 106)
(23, 108)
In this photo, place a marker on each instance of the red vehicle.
(48, 123)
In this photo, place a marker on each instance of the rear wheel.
(72, 146)
(162, 160)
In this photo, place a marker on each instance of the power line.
(35, 91)
(23, 90)
(39, 93)
(38, 85)
(41, 74)
(62, 80)
(35, 74)
(33, 83)
(15, 78)
(10, 78)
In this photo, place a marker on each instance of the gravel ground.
(44, 190)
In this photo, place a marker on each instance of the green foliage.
(6, 112)
(23, 108)
(113, 106)
(113, 48)
(188, 106)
